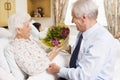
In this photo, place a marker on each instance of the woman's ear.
(18, 30)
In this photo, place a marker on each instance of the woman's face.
(25, 31)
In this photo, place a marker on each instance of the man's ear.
(84, 16)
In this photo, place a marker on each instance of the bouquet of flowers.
(57, 35)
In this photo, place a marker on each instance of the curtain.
(112, 11)
(59, 8)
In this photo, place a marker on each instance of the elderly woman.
(29, 56)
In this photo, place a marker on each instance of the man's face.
(80, 23)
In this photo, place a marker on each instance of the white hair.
(82, 7)
(16, 21)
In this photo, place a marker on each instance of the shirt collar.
(88, 32)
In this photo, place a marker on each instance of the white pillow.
(6, 76)
(34, 32)
(4, 33)
(3, 62)
(7, 61)
(14, 69)
(117, 64)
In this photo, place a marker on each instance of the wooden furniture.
(36, 7)
(7, 7)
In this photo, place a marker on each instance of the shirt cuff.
(62, 72)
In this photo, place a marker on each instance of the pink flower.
(64, 32)
(55, 42)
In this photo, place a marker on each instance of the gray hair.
(16, 21)
(82, 7)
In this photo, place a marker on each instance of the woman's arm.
(54, 53)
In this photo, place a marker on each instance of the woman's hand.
(57, 48)
(54, 52)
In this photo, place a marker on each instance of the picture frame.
(7, 6)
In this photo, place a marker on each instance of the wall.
(45, 4)
(21, 6)
(46, 21)
(34, 4)
(7, 7)
(30, 7)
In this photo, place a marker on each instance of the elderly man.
(93, 55)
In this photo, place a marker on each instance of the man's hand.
(53, 68)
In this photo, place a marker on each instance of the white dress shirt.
(96, 56)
